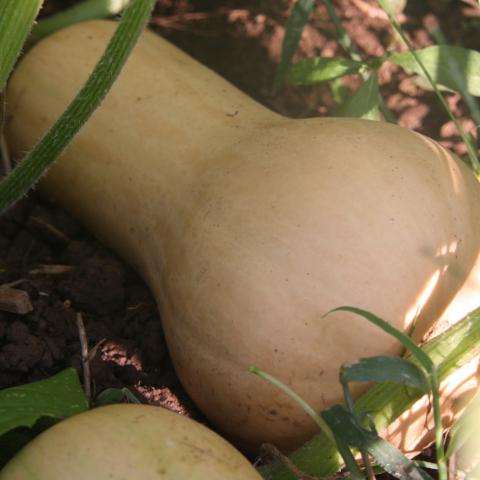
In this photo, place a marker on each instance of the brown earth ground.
(241, 41)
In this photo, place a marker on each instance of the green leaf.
(32, 167)
(393, 461)
(386, 401)
(385, 369)
(16, 20)
(58, 397)
(310, 71)
(340, 91)
(404, 339)
(363, 103)
(456, 68)
(349, 459)
(115, 395)
(293, 32)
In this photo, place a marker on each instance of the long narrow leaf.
(392, 460)
(363, 103)
(437, 60)
(429, 366)
(293, 32)
(293, 395)
(385, 369)
(405, 340)
(387, 401)
(16, 20)
(472, 151)
(85, 103)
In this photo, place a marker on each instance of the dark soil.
(65, 272)
(242, 43)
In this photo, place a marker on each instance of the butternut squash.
(129, 441)
(249, 226)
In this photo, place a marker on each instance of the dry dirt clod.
(14, 300)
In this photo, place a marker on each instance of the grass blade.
(385, 369)
(293, 32)
(428, 365)
(88, 99)
(438, 60)
(344, 424)
(287, 390)
(405, 340)
(387, 401)
(16, 20)
(472, 154)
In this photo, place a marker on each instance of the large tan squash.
(122, 442)
(249, 226)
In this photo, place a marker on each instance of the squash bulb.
(249, 226)
(129, 441)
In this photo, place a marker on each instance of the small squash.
(249, 226)
(129, 442)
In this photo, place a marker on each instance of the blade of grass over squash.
(428, 365)
(313, 414)
(405, 340)
(385, 369)
(472, 152)
(310, 71)
(296, 22)
(392, 460)
(57, 397)
(438, 59)
(16, 20)
(86, 10)
(318, 419)
(387, 401)
(363, 103)
(78, 112)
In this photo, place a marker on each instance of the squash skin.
(129, 441)
(249, 226)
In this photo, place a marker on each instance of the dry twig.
(50, 270)
(87, 385)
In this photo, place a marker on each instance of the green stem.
(387, 401)
(472, 154)
(87, 10)
(88, 99)
(347, 44)
(343, 38)
(437, 416)
(16, 19)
